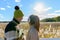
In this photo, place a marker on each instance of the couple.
(11, 31)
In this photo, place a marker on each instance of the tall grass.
(46, 31)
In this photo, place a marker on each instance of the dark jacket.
(12, 26)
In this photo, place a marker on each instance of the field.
(46, 30)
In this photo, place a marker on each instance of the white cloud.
(49, 15)
(54, 14)
(47, 8)
(57, 11)
(40, 8)
(9, 6)
(43, 12)
(17, 0)
(2, 9)
(25, 18)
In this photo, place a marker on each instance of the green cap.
(18, 13)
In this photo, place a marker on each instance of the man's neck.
(16, 21)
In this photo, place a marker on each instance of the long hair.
(34, 20)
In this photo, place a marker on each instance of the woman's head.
(34, 20)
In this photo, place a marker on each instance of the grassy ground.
(45, 32)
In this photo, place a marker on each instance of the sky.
(42, 8)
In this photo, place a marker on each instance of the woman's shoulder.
(32, 30)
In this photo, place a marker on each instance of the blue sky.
(41, 8)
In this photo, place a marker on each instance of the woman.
(34, 28)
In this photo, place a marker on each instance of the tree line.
(54, 19)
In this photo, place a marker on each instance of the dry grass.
(45, 32)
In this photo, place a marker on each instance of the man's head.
(16, 8)
(18, 15)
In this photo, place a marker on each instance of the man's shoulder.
(10, 26)
(11, 23)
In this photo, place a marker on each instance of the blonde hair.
(34, 20)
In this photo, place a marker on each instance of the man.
(11, 32)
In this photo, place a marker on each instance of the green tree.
(57, 19)
(48, 20)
